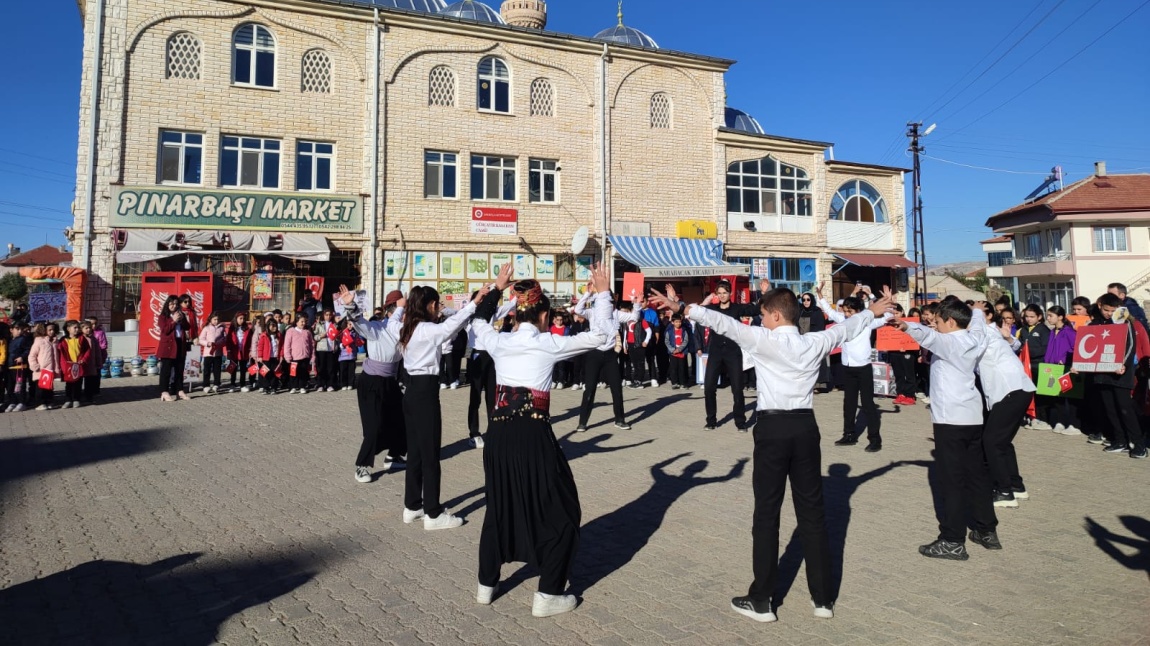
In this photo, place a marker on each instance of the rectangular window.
(998, 258)
(493, 178)
(1054, 241)
(181, 157)
(314, 166)
(1033, 244)
(543, 184)
(1109, 239)
(440, 175)
(250, 162)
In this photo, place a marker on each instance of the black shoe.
(744, 428)
(989, 540)
(1139, 454)
(1095, 438)
(623, 426)
(847, 440)
(709, 427)
(675, 386)
(1005, 499)
(873, 447)
(1116, 448)
(941, 549)
(580, 429)
(761, 611)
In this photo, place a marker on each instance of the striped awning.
(676, 257)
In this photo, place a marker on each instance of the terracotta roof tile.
(43, 256)
(1105, 194)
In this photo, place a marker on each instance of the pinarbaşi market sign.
(178, 208)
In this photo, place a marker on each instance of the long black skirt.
(533, 511)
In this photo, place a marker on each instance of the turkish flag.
(1100, 348)
(1031, 411)
(315, 285)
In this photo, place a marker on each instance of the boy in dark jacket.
(680, 345)
(1114, 387)
(19, 375)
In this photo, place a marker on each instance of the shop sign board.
(631, 229)
(697, 229)
(164, 207)
(487, 220)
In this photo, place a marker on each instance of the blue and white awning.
(676, 257)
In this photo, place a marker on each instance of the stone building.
(401, 142)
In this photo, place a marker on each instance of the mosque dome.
(428, 6)
(472, 10)
(625, 35)
(739, 120)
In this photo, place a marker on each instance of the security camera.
(749, 225)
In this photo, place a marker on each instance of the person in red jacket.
(73, 351)
(270, 353)
(172, 350)
(239, 349)
(190, 315)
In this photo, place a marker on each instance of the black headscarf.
(817, 320)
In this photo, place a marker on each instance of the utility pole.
(917, 239)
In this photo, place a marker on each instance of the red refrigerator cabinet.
(156, 287)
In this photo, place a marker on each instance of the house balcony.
(1054, 264)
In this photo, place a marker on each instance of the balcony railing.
(1029, 260)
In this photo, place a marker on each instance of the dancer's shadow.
(1109, 542)
(33, 455)
(838, 489)
(610, 542)
(650, 408)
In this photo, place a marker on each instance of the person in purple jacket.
(1065, 413)
(102, 344)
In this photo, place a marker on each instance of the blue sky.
(1007, 82)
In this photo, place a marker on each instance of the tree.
(13, 287)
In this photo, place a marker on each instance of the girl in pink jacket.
(212, 352)
(299, 347)
(42, 357)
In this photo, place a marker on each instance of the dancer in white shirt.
(533, 509)
(602, 365)
(421, 343)
(786, 436)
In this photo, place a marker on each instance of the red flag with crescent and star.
(1031, 411)
(1100, 348)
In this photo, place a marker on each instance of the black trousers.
(172, 373)
(74, 390)
(858, 384)
(903, 363)
(787, 447)
(481, 379)
(678, 371)
(302, 373)
(601, 365)
(424, 439)
(638, 357)
(212, 367)
(24, 377)
(964, 481)
(729, 363)
(1002, 423)
(651, 356)
(1119, 407)
(325, 370)
(240, 373)
(381, 415)
(346, 373)
(269, 381)
(451, 364)
(91, 388)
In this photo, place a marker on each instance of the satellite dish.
(579, 242)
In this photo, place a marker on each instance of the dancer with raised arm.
(602, 364)
(533, 511)
(786, 436)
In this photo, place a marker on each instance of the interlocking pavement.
(236, 519)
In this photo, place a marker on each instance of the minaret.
(531, 14)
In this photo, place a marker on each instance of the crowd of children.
(33, 358)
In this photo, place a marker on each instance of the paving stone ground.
(235, 519)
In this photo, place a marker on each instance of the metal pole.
(93, 134)
(917, 238)
(373, 257)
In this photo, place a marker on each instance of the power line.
(29, 215)
(35, 208)
(997, 170)
(51, 159)
(43, 179)
(1030, 154)
(1051, 72)
(37, 170)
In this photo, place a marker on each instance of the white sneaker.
(1058, 428)
(411, 515)
(10, 408)
(548, 605)
(654, 383)
(824, 612)
(363, 474)
(442, 521)
(245, 389)
(386, 463)
(1069, 430)
(455, 385)
(43, 407)
(476, 442)
(485, 594)
(20, 408)
(1040, 425)
(602, 384)
(330, 389)
(443, 386)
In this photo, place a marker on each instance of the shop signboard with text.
(487, 220)
(163, 207)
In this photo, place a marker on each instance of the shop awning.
(676, 257)
(142, 245)
(887, 260)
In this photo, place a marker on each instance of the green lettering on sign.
(162, 207)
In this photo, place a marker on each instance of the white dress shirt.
(618, 318)
(382, 337)
(1000, 369)
(856, 349)
(473, 341)
(786, 363)
(423, 351)
(953, 397)
(526, 357)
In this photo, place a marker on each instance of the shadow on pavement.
(1111, 543)
(610, 542)
(26, 456)
(166, 602)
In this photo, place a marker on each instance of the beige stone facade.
(638, 135)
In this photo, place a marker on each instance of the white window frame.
(505, 164)
(182, 147)
(493, 79)
(263, 151)
(537, 166)
(255, 48)
(1094, 231)
(878, 207)
(315, 157)
(439, 164)
(777, 190)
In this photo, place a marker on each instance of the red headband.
(527, 293)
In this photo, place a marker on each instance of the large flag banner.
(1100, 348)
(315, 286)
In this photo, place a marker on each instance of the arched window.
(183, 56)
(768, 187)
(660, 110)
(254, 56)
(315, 72)
(441, 87)
(494, 85)
(542, 98)
(857, 201)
